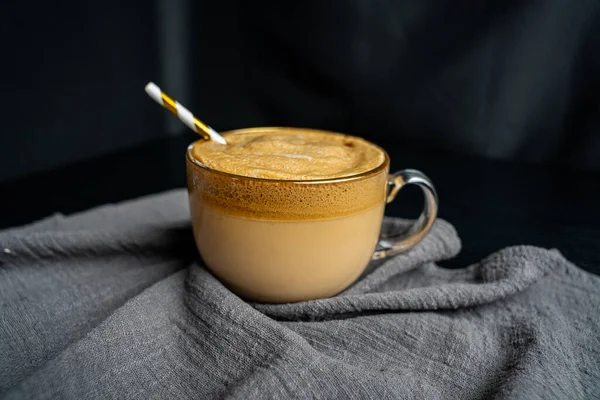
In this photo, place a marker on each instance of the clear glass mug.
(281, 241)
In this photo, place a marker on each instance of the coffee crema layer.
(290, 154)
(285, 200)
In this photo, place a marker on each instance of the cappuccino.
(287, 215)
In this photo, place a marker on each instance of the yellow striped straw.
(183, 114)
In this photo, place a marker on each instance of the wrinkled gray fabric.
(113, 304)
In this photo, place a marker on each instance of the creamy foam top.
(290, 155)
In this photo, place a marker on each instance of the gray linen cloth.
(113, 304)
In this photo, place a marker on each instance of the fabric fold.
(115, 303)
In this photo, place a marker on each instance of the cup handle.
(393, 244)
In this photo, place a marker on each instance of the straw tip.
(216, 137)
(154, 92)
(150, 86)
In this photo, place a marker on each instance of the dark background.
(510, 80)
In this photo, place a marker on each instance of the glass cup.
(280, 241)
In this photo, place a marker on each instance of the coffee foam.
(271, 199)
(289, 154)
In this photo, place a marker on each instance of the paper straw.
(183, 114)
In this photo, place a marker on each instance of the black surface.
(72, 77)
(512, 80)
(492, 204)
